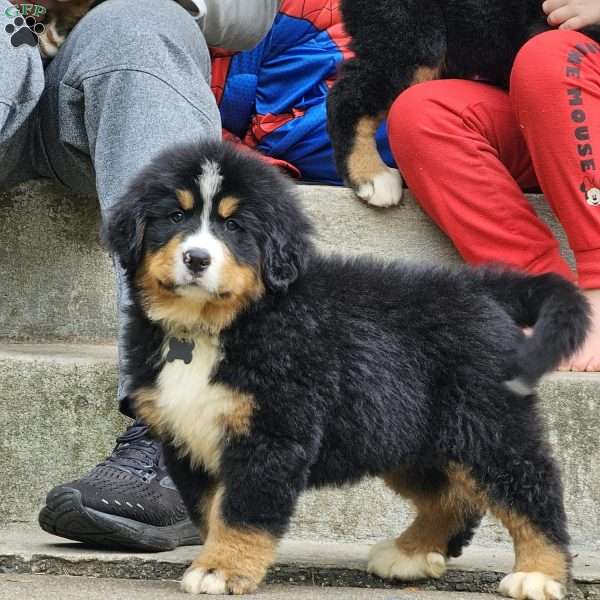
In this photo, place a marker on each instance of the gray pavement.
(30, 587)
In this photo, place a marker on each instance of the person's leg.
(459, 148)
(131, 80)
(21, 85)
(555, 92)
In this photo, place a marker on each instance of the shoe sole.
(65, 516)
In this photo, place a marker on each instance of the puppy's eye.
(177, 216)
(231, 225)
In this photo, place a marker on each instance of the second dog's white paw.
(389, 562)
(199, 581)
(531, 586)
(384, 190)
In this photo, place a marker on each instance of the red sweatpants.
(466, 149)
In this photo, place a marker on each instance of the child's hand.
(572, 14)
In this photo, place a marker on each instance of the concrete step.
(57, 282)
(324, 566)
(58, 418)
(26, 587)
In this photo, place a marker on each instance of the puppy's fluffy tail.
(556, 310)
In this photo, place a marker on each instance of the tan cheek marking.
(185, 199)
(364, 162)
(156, 272)
(227, 206)
(239, 279)
(242, 555)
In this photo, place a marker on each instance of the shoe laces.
(135, 452)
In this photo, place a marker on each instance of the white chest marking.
(191, 408)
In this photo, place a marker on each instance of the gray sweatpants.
(131, 79)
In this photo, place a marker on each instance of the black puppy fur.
(401, 42)
(347, 367)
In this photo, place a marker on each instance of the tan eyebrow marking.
(228, 206)
(186, 199)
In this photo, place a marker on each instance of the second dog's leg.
(356, 107)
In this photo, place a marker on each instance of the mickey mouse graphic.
(591, 188)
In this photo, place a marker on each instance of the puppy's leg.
(448, 511)
(196, 487)
(234, 559)
(527, 498)
(250, 511)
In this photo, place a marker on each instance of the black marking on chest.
(180, 350)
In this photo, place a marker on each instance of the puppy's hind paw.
(531, 586)
(387, 560)
(383, 190)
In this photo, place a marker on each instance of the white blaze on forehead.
(209, 182)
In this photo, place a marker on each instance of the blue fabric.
(286, 76)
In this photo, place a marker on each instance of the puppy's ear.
(124, 232)
(287, 248)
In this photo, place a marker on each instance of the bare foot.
(588, 358)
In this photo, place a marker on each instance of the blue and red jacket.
(273, 98)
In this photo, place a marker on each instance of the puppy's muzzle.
(196, 260)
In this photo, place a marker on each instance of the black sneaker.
(126, 502)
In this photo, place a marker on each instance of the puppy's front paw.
(531, 586)
(383, 190)
(202, 581)
(387, 560)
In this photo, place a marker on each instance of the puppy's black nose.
(196, 260)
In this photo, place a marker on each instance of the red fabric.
(321, 13)
(285, 166)
(221, 63)
(467, 149)
(263, 125)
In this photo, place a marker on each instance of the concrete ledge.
(58, 418)
(58, 281)
(24, 550)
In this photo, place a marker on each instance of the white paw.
(385, 189)
(531, 586)
(199, 581)
(389, 562)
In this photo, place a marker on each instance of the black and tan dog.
(398, 43)
(268, 369)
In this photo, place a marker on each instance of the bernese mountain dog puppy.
(267, 368)
(398, 43)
